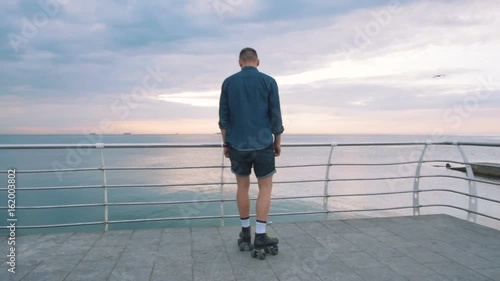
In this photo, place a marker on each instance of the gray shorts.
(261, 160)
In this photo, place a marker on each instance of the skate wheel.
(267, 250)
(253, 253)
(250, 247)
(239, 241)
(242, 247)
(274, 251)
(262, 255)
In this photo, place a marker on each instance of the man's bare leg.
(242, 197)
(264, 199)
(243, 202)
(262, 240)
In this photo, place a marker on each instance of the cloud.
(335, 61)
(210, 99)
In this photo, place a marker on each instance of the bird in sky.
(438, 76)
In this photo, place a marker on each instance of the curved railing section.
(329, 165)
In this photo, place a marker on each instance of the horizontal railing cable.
(233, 200)
(233, 183)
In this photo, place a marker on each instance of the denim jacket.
(249, 109)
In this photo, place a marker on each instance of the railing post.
(327, 181)
(222, 190)
(100, 146)
(416, 182)
(472, 186)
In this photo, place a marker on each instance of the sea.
(195, 184)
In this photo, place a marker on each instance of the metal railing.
(416, 206)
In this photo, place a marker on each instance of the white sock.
(261, 227)
(245, 222)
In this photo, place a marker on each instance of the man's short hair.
(248, 54)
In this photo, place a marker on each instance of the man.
(249, 117)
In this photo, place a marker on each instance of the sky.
(343, 67)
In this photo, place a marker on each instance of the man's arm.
(275, 115)
(224, 117)
(275, 110)
(223, 133)
(223, 112)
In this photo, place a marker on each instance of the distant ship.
(93, 134)
(127, 133)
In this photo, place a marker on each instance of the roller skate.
(263, 245)
(245, 240)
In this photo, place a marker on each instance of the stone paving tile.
(493, 273)
(91, 270)
(213, 271)
(130, 272)
(360, 239)
(472, 261)
(172, 269)
(103, 253)
(458, 255)
(476, 249)
(252, 273)
(376, 231)
(422, 255)
(336, 273)
(380, 274)
(59, 275)
(142, 245)
(59, 263)
(297, 237)
(293, 269)
(74, 248)
(357, 260)
(406, 220)
(175, 238)
(175, 250)
(395, 241)
(340, 227)
(147, 234)
(136, 259)
(338, 245)
(22, 269)
(114, 238)
(202, 239)
(427, 277)
(216, 254)
(319, 231)
(382, 251)
(456, 272)
(406, 266)
(359, 222)
(288, 264)
(54, 269)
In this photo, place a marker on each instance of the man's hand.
(226, 152)
(277, 145)
(277, 149)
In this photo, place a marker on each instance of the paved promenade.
(423, 248)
